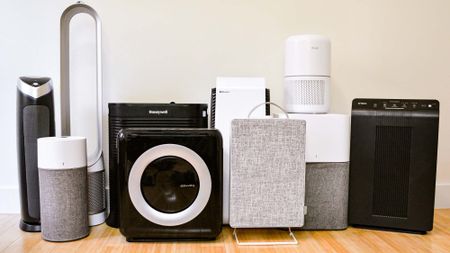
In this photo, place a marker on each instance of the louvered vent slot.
(310, 92)
(391, 171)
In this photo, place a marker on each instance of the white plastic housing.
(62, 152)
(307, 74)
(327, 137)
(307, 55)
(235, 98)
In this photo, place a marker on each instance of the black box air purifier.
(170, 183)
(126, 115)
(393, 163)
(35, 119)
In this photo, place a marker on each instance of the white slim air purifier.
(234, 98)
(307, 74)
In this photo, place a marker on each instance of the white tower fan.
(95, 168)
(307, 74)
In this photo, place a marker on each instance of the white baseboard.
(442, 198)
(10, 201)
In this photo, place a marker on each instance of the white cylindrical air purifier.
(307, 74)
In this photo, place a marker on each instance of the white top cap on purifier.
(307, 55)
(62, 152)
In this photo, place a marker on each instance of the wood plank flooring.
(105, 239)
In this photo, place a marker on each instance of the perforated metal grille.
(310, 92)
(96, 192)
(391, 171)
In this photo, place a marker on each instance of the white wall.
(172, 50)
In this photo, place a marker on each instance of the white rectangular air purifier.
(327, 137)
(327, 170)
(267, 187)
(307, 74)
(234, 98)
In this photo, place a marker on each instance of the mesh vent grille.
(96, 192)
(310, 92)
(391, 171)
(213, 107)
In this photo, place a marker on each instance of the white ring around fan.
(161, 218)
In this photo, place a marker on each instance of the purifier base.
(97, 219)
(29, 227)
(390, 229)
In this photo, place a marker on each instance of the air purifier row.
(172, 177)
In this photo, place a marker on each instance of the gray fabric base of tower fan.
(326, 196)
(64, 204)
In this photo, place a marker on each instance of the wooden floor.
(105, 239)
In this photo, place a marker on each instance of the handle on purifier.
(66, 17)
(268, 103)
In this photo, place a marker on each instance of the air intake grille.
(391, 171)
(213, 107)
(310, 92)
(96, 192)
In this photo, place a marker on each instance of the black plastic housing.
(27, 155)
(122, 115)
(207, 143)
(393, 158)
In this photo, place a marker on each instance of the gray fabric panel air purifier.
(63, 183)
(326, 196)
(64, 215)
(267, 182)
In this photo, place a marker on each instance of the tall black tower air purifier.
(393, 155)
(35, 119)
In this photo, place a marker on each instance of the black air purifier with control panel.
(393, 164)
(127, 115)
(35, 119)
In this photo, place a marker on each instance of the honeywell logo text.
(158, 112)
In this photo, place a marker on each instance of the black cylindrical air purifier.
(35, 119)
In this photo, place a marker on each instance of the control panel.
(395, 104)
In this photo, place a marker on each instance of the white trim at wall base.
(442, 198)
(10, 200)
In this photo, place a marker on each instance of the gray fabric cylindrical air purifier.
(63, 186)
